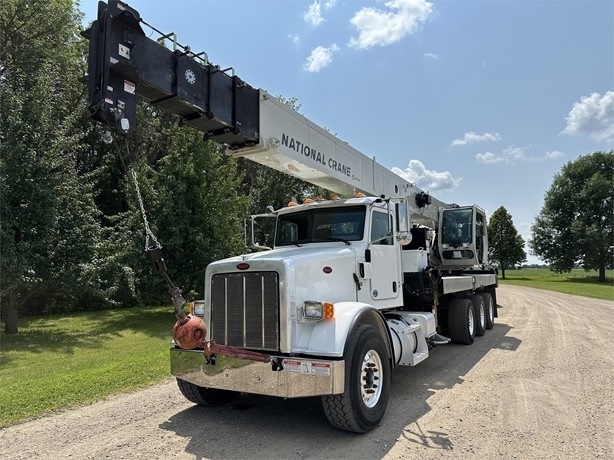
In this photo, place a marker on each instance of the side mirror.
(402, 217)
(403, 232)
(260, 226)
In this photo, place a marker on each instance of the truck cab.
(324, 252)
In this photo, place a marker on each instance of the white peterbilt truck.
(350, 289)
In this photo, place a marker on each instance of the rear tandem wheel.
(489, 309)
(461, 321)
(479, 309)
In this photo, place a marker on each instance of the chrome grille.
(245, 310)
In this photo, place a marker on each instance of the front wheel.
(205, 396)
(367, 383)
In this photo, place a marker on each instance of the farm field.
(576, 282)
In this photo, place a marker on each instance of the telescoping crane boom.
(352, 287)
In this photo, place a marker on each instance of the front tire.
(461, 321)
(362, 405)
(205, 396)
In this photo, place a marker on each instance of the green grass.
(576, 282)
(62, 361)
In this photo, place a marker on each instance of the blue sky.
(474, 101)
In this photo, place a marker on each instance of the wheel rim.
(470, 322)
(491, 312)
(482, 316)
(371, 378)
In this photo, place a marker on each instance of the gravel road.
(539, 385)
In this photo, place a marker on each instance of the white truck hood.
(324, 268)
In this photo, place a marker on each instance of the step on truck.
(349, 289)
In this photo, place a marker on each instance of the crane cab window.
(457, 227)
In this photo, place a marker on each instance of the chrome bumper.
(299, 377)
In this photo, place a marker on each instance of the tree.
(48, 226)
(505, 245)
(199, 210)
(575, 224)
(190, 192)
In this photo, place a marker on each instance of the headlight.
(317, 311)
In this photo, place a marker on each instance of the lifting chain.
(152, 245)
(148, 233)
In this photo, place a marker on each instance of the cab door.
(385, 282)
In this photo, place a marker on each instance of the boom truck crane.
(351, 289)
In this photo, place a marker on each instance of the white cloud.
(513, 155)
(320, 57)
(384, 27)
(551, 155)
(433, 56)
(554, 154)
(313, 15)
(471, 137)
(488, 157)
(593, 115)
(432, 181)
(295, 39)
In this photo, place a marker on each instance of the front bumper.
(299, 377)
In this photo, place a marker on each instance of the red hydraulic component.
(189, 332)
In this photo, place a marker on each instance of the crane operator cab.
(462, 240)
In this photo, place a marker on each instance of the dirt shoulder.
(536, 386)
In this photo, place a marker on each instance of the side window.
(293, 228)
(380, 228)
(479, 234)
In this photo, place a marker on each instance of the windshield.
(320, 225)
(456, 226)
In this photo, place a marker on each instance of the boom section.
(291, 143)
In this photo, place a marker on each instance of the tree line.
(575, 226)
(72, 232)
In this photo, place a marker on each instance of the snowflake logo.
(190, 76)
